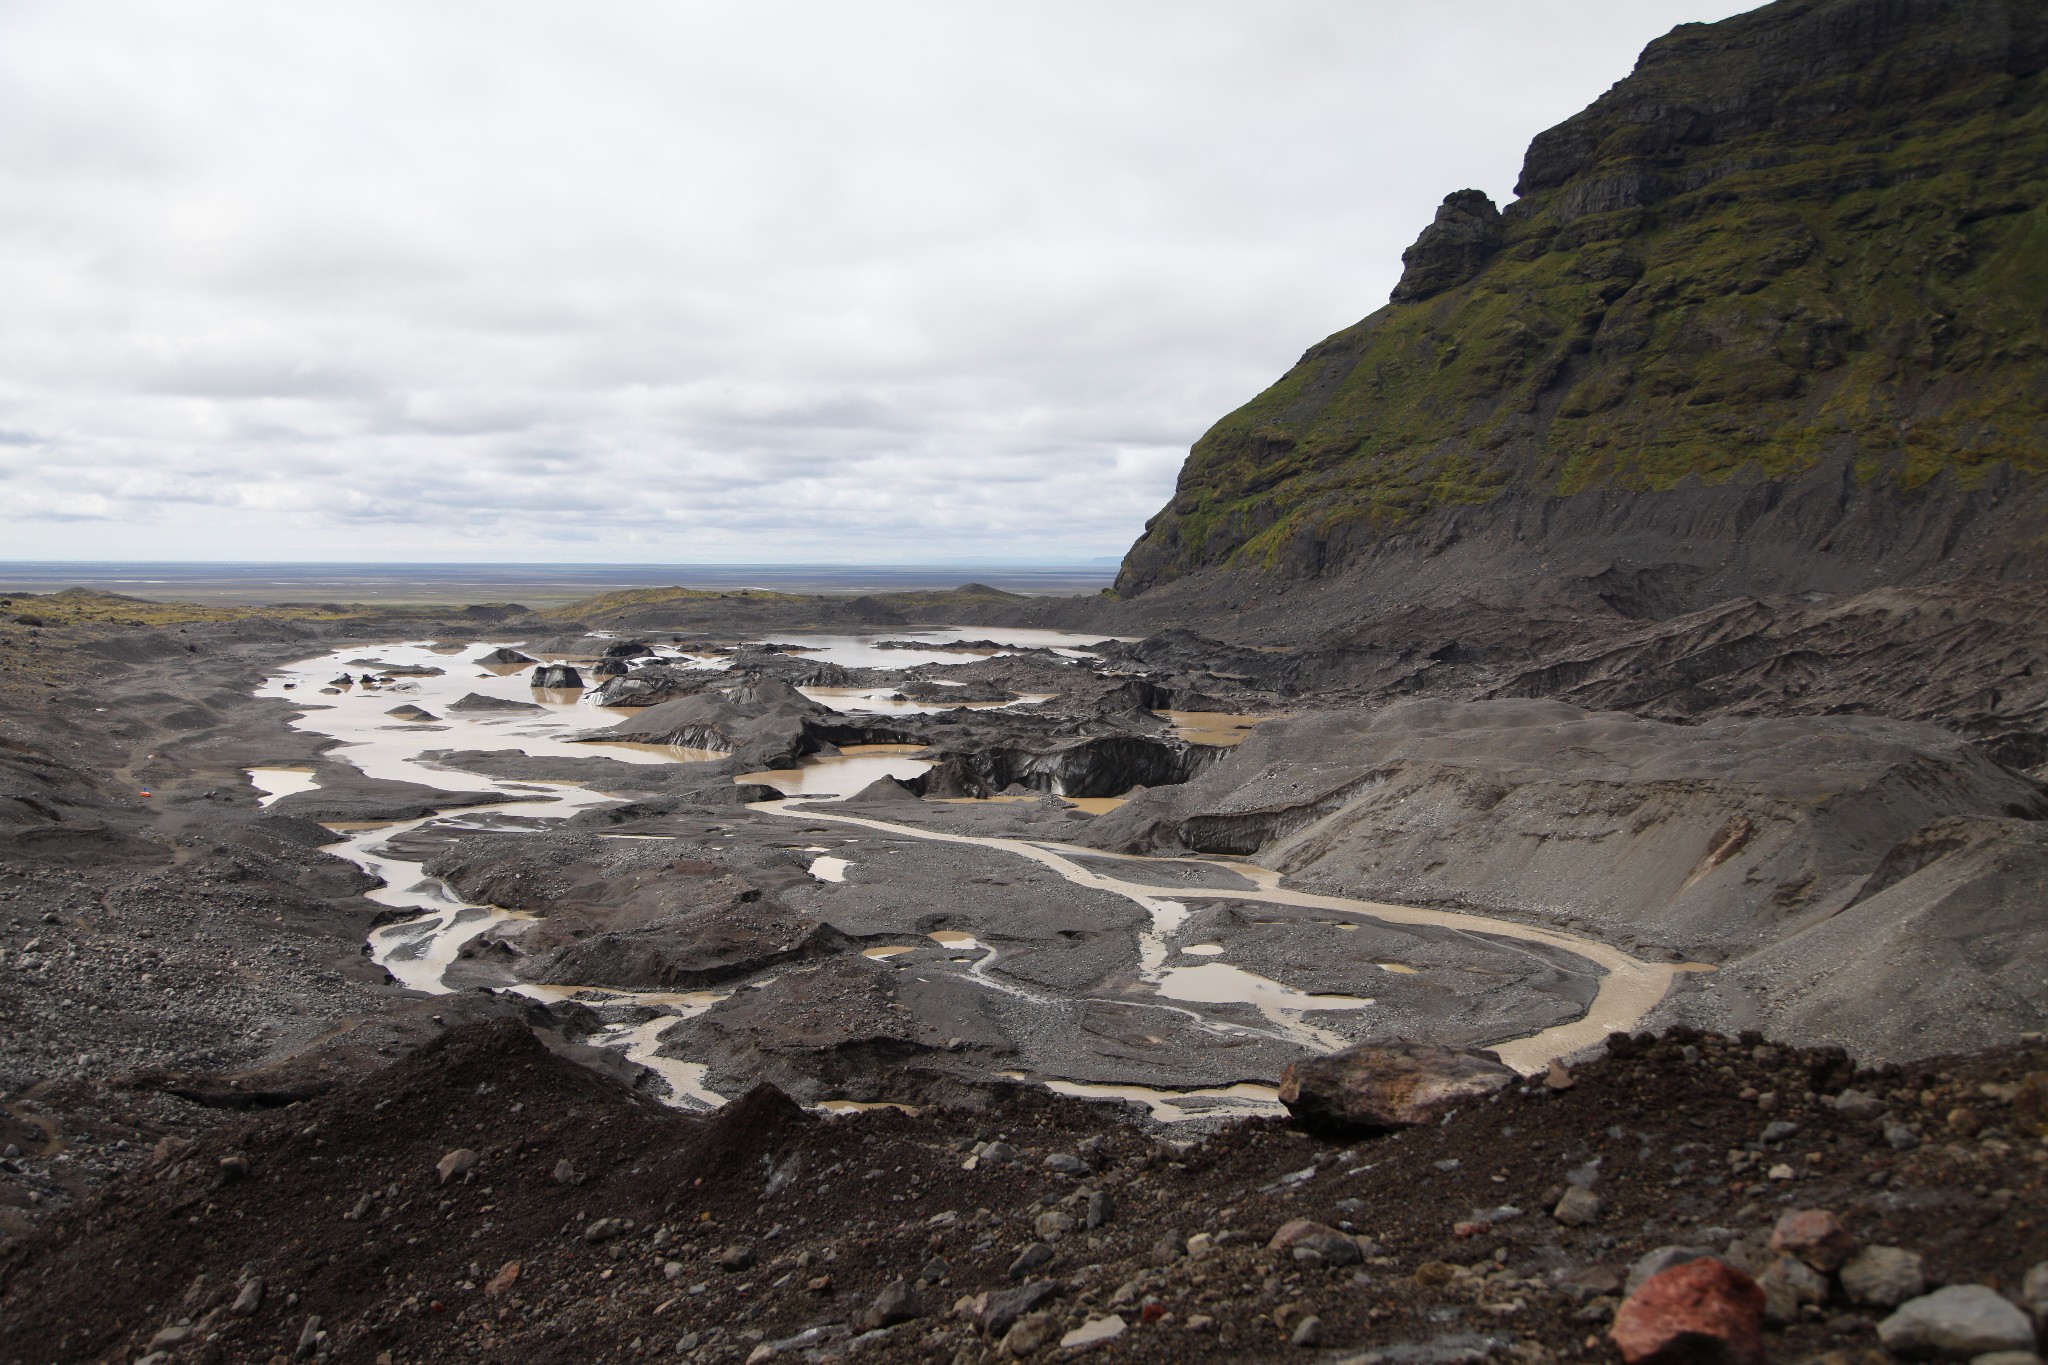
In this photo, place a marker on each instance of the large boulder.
(562, 676)
(1956, 1323)
(477, 701)
(507, 657)
(1374, 1087)
(1701, 1311)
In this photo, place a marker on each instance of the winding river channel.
(464, 704)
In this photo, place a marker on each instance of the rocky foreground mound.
(1763, 318)
(484, 1199)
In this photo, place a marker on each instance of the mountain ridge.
(1796, 259)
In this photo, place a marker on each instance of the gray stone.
(736, 1258)
(249, 1299)
(1883, 1277)
(1029, 1334)
(1030, 1259)
(1789, 1284)
(456, 1164)
(603, 1230)
(2006, 1358)
(1064, 1164)
(1956, 1323)
(1579, 1208)
(1779, 1131)
(1052, 1225)
(2034, 1293)
(1006, 1307)
(1901, 1136)
(1167, 1249)
(896, 1303)
(1307, 1332)
(1855, 1104)
(1101, 1208)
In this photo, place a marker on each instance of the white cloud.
(875, 282)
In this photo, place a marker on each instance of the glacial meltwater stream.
(462, 704)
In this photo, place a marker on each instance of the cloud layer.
(675, 282)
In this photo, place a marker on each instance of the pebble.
(1093, 1332)
(1816, 1237)
(1901, 1136)
(896, 1303)
(1307, 1332)
(459, 1162)
(1579, 1208)
(603, 1230)
(736, 1258)
(1028, 1334)
(1052, 1225)
(1166, 1250)
(1005, 1308)
(2034, 1292)
(1061, 1163)
(1789, 1284)
(249, 1299)
(1029, 1259)
(1855, 1104)
(1101, 1209)
(1958, 1322)
(1883, 1277)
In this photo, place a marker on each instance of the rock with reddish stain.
(1816, 1237)
(1379, 1086)
(1704, 1312)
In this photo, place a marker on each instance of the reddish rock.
(1816, 1237)
(1703, 1312)
(507, 1276)
(1377, 1086)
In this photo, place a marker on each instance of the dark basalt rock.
(477, 701)
(1451, 250)
(506, 655)
(563, 676)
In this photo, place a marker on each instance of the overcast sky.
(853, 282)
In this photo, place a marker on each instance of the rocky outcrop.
(1758, 322)
(1452, 249)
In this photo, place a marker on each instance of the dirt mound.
(577, 1220)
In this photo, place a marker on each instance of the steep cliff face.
(1789, 279)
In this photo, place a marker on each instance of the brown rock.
(506, 1277)
(1703, 1312)
(1377, 1086)
(2030, 1104)
(1816, 1237)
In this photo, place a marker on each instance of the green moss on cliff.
(1857, 272)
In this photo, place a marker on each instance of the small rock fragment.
(459, 1162)
(1307, 1332)
(896, 1303)
(1093, 1332)
(1816, 1237)
(500, 1283)
(1579, 1207)
(249, 1299)
(1029, 1259)
(1883, 1277)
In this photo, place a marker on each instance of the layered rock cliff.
(1767, 316)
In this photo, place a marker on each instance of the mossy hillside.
(1873, 288)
